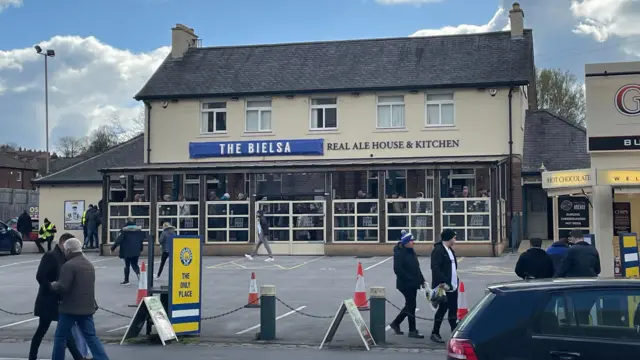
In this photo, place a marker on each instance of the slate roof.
(130, 153)
(8, 161)
(554, 142)
(486, 59)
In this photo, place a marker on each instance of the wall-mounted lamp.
(542, 168)
(123, 180)
(355, 94)
(413, 91)
(289, 97)
(235, 98)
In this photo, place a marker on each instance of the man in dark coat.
(556, 252)
(46, 307)
(444, 272)
(92, 222)
(408, 280)
(24, 225)
(130, 241)
(581, 260)
(534, 263)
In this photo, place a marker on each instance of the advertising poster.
(621, 218)
(73, 210)
(185, 285)
(573, 212)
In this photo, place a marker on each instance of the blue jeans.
(92, 234)
(88, 329)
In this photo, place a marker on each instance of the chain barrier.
(231, 311)
(303, 313)
(15, 313)
(455, 316)
(114, 313)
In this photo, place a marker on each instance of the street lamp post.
(47, 54)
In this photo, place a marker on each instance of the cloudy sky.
(106, 49)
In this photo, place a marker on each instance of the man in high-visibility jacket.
(84, 222)
(47, 232)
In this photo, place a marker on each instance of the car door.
(5, 237)
(588, 324)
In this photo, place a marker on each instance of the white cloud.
(407, 2)
(6, 3)
(499, 21)
(605, 19)
(89, 82)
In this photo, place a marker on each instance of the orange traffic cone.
(462, 302)
(142, 284)
(360, 296)
(254, 299)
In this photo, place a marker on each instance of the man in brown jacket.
(76, 287)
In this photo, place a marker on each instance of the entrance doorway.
(297, 227)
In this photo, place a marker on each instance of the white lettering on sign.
(260, 147)
(631, 142)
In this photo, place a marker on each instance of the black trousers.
(41, 331)
(40, 240)
(163, 259)
(409, 310)
(450, 309)
(131, 263)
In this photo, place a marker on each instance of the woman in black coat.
(46, 307)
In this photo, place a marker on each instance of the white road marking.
(385, 329)
(112, 330)
(379, 263)
(278, 318)
(18, 323)
(101, 260)
(19, 262)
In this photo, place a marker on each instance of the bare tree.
(71, 146)
(560, 92)
(103, 138)
(132, 128)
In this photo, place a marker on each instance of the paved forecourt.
(314, 285)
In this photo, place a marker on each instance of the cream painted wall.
(52, 198)
(481, 126)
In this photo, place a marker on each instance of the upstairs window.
(440, 111)
(214, 118)
(324, 114)
(391, 112)
(258, 116)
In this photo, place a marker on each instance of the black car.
(10, 239)
(560, 319)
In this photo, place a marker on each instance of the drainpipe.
(148, 106)
(510, 182)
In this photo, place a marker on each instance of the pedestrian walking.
(556, 252)
(76, 287)
(24, 226)
(581, 259)
(130, 241)
(46, 233)
(263, 237)
(409, 279)
(444, 272)
(46, 306)
(534, 263)
(92, 222)
(168, 231)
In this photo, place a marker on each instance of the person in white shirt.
(444, 272)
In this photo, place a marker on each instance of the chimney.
(182, 38)
(516, 17)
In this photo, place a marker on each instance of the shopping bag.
(436, 296)
(81, 344)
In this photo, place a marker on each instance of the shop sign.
(392, 145)
(611, 143)
(628, 94)
(619, 177)
(572, 178)
(621, 218)
(185, 285)
(573, 212)
(199, 150)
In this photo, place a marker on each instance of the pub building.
(611, 186)
(339, 145)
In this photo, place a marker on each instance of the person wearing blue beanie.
(409, 279)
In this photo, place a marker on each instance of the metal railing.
(227, 221)
(413, 215)
(355, 220)
(300, 221)
(469, 217)
(119, 212)
(183, 215)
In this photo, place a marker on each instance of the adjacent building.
(343, 144)
(16, 174)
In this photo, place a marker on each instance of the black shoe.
(124, 283)
(415, 334)
(396, 329)
(436, 338)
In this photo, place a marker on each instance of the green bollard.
(378, 314)
(267, 312)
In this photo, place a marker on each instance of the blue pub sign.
(307, 147)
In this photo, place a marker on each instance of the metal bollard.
(267, 312)
(378, 314)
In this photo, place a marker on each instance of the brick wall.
(16, 178)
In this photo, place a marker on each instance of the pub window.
(440, 109)
(324, 114)
(390, 112)
(214, 118)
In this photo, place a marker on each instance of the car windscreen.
(468, 320)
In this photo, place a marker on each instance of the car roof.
(564, 284)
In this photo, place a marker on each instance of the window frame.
(439, 103)
(391, 105)
(260, 110)
(214, 111)
(324, 118)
